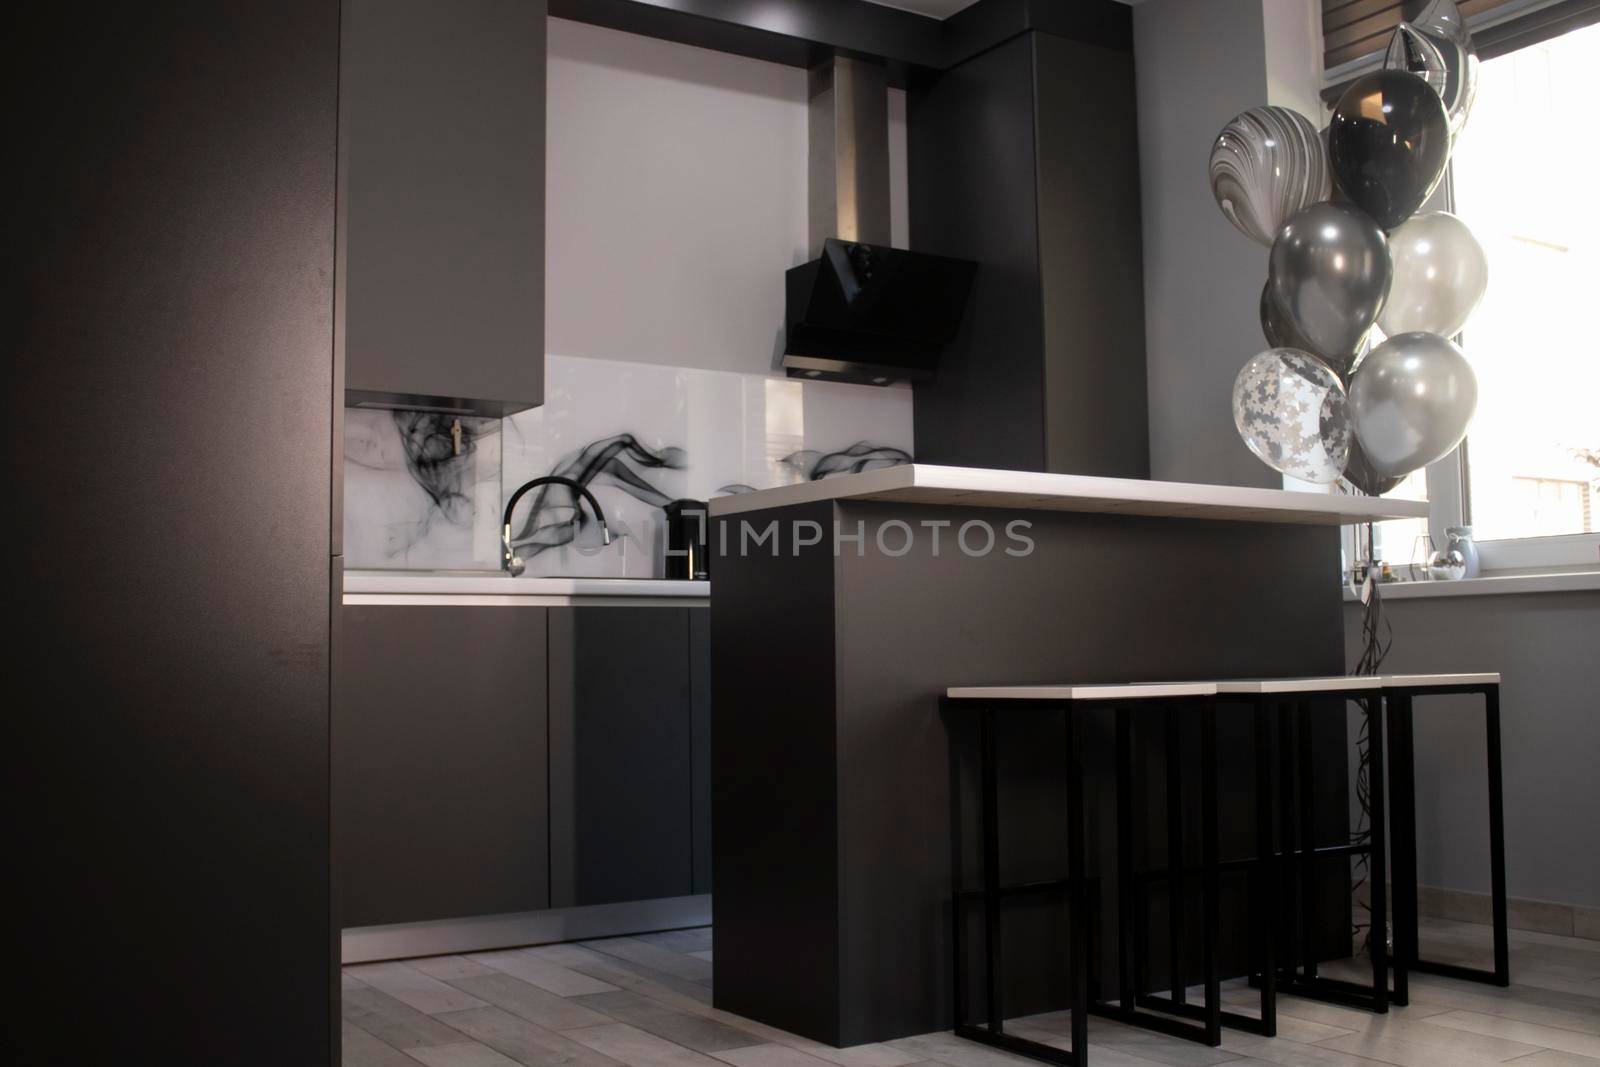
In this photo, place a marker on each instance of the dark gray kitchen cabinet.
(440, 763)
(622, 775)
(441, 204)
(700, 742)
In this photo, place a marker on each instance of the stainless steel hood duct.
(862, 311)
(848, 173)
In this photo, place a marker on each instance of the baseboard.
(1536, 916)
(484, 933)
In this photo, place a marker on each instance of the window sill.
(1568, 582)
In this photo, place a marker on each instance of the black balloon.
(1388, 143)
(1359, 473)
(1276, 327)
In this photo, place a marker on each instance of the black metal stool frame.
(1403, 833)
(992, 1031)
(1266, 884)
(1302, 980)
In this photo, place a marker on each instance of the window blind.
(1355, 28)
(1360, 29)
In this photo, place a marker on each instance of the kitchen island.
(845, 607)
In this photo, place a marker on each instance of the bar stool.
(1072, 700)
(1273, 698)
(1263, 868)
(1399, 690)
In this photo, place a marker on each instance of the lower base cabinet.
(621, 755)
(498, 759)
(440, 763)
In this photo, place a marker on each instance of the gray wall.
(1199, 63)
(677, 199)
(1543, 645)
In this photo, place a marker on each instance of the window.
(1522, 177)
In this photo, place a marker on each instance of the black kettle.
(688, 538)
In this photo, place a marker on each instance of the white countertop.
(921, 483)
(477, 588)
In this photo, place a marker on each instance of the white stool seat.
(1400, 681)
(1134, 691)
(1331, 684)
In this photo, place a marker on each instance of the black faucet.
(510, 562)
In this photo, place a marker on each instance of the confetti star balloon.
(1292, 412)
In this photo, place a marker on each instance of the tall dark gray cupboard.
(169, 318)
(442, 130)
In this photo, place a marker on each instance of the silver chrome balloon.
(1436, 47)
(1267, 164)
(1292, 413)
(1411, 400)
(1440, 274)
(1329, 275)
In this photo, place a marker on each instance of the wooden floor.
(646, 1002)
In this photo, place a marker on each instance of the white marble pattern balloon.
(1440, 275)
(1267, 165)
(1291, 411)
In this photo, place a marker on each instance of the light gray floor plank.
(768, 1054)
(634, 1047)
(1153, 1046)
(361, 1049)
(446, 968)
(1105, 1035)
(645, 1002)
(1527, 1033)
(525, 1042)
(690, 1031)
(1513, 1003)
(530, 1002)
(1397, 1040)
(948, 1049)
(1428, 985)
(552, 978)
(470, 1054)
(655, 957)
(872, 1055)
(395, 1024)
(695, 939)
(1099, 1055)
(1335, 1016)
(410, 986)
(626, 974)
(1556, 1059)
(1256, 1049)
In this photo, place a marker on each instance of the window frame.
(1512, 28)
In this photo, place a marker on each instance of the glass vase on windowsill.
(1422, 553)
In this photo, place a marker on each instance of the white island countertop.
(921, 483)
(487, 588)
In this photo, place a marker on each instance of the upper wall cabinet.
(442, 135)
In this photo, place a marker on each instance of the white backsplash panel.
(637, 435)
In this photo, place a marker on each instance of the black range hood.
(862, 311)
(873, 314)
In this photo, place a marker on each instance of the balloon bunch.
(1349, 252)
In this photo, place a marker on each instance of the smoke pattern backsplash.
(421, 496)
